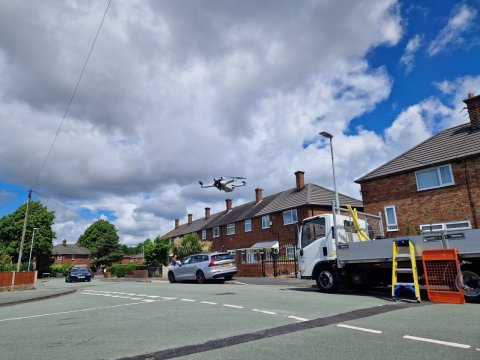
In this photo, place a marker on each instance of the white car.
(201, 267)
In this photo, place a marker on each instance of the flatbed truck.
(331, 253)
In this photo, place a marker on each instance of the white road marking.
(209, 302)
(168, 298)
(478, 349)
(359, 328)
(297, 318)
(72, 311)
(188, 300)
(264, 312)
(447, 343)
(233, 306)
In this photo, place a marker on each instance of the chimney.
(177, 223)
(473, 106)
(64, 242)
(300, 180)
(229, 204)
(207, 213)
(258, 195)
(189, 219)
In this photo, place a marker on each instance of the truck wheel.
(471, 286)
(327, 280)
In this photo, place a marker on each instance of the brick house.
(71, 254)
(433, 186)
(267, 223)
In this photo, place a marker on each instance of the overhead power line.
(71, 98)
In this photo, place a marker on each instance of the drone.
(226, 183)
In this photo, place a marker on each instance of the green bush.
(59, 269)
(8, 267)
(119, 270)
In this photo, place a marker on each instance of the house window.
(290, 252)
(391, 217)
(456, 225)
(59, 257)
(216, 231)
(73, 257)
(290, 217)
(248, 225)
(204, 234)
(265, 222)
(434, 178)
(230, 229)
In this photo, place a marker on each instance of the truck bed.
(467, 243)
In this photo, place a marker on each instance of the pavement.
(54, 287)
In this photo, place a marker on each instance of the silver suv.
(202, 267)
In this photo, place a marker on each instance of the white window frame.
(204, 234)
(231, 229)
(248, 225)
(391, 226)
(216, 232)
(266, 222)
(447, 226)
(293, 217)
(439, 177)
(59, 257)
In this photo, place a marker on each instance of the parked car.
(201, 267)
(78, 273)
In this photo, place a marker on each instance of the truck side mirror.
(296, 233)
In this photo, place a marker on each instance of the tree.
(190, 244)
(102, 240)
(11, 227)
(158, 250)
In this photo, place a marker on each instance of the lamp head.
(326, 134)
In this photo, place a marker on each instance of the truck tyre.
(327, 280)
(471, 285)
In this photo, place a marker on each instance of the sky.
(179, 91)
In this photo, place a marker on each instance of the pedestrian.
(174, 260)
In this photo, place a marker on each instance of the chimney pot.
(177, 223)
(473, 107)
(229, 204)
(299, 175)
(258, 195)
(64, 242)
(190, 218)
(207, 212)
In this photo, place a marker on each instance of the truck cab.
(318, 241)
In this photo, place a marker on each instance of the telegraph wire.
(71, 98)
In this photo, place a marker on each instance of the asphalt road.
(113, 320)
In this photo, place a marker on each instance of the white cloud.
(177, 92)
(461, 20)
(408, 57)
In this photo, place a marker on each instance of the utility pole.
(24, 230)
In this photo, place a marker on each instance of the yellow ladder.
(407, 251)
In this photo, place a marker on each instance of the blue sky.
(177, 92)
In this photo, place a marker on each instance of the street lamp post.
(31, 247)
(330, 136)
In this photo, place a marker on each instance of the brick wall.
(451, 203)
(67, 259)
(284, 234)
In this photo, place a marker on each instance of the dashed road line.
(360, 329)
(209, 302)
(264, 312)
(439, 342)
(188, 300)
(233, 306)
(297, 318)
